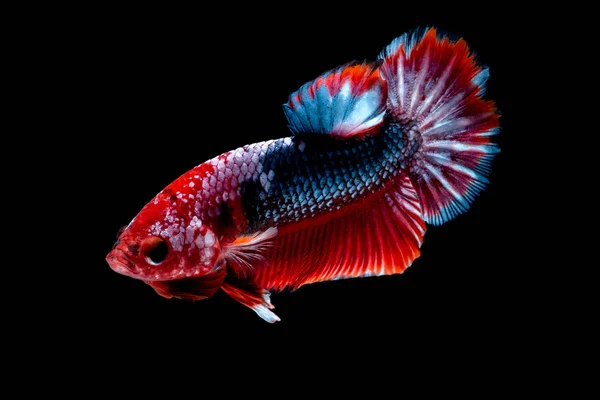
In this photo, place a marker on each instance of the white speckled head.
(164, 244)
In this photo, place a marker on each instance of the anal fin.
(382, 237)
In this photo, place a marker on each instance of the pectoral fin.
(246, 251)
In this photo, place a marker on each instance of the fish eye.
(155, 250)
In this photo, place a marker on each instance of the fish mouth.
(120, 263)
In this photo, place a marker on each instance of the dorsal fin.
(349, 101)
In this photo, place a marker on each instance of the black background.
(158, 94)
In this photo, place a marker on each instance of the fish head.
(164, 243)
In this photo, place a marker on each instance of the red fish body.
(378, 150)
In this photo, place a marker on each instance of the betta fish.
(378, 149)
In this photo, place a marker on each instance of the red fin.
(435, 89)
(381, 240)
(247, 251)
(251, 296)
(191, 288)
(348, 101)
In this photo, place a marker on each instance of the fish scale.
(322, 177)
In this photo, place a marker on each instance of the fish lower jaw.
(172, 276)
(124, 271)
(121, 264)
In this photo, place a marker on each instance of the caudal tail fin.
(435, 89)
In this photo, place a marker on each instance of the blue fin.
(345, 102)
